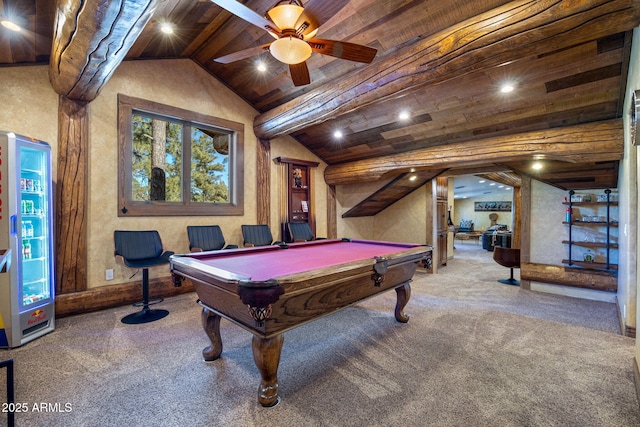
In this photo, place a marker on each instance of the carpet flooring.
(474, 353)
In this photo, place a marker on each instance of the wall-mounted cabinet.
(299, 193)
(592, 224)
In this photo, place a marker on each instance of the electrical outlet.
(108, 274)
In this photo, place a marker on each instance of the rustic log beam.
(476, 170)
(71, 197)
(507, 178)
(517, 217)
(263, 181)
(592, 142)
(91, 38)
(110, 296)
(516, 30)
(332, 213)
(522, 202)
(574, 277)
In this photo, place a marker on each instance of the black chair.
(301, 232)
(141, 249)
(510, 258)
(257, 235)
(206, 238)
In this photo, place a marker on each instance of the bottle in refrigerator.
(26, 249)
(28, 229)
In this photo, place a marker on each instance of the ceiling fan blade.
(300, 74)
(243, 12)
(242, 54)
(316, 13)
(343, 50)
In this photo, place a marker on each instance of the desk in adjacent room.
(269, 290)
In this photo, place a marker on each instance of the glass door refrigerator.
(26, 240)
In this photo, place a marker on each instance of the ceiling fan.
(294, 27)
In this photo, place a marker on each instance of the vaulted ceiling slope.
(442, 62)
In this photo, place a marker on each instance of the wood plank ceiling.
(567, 60)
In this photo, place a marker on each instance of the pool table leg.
(266, 354)
(403, 293)
(211, 325)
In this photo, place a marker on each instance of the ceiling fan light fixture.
(285, 16)
(10, 25)
(290, 50)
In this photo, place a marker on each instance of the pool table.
(271, 289)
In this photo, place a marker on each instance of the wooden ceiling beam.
(507, 178)
(508, 33)
(475, 170)
(91, 38)
(592, 142)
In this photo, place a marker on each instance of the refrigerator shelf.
(33, 171)
(34, 238)
(33, 259)
(34, 216)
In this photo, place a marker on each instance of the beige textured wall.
(404, 221)
(547, 214)
(31, 108)
(347, 196)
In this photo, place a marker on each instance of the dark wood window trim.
(126, 207)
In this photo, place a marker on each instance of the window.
(176, 162)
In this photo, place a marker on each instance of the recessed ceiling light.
(337, 134)
(507, 87)
(404, 115)
(413, 178)
(537, 166)
(166, 28)
(10, 25)
(261, 67)
(493, 183)
(482, 181)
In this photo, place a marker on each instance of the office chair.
(206, 238)
(301, 232)
(141, 249)
(257, 235)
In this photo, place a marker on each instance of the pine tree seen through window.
(178, 165)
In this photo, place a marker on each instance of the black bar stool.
(141, 249)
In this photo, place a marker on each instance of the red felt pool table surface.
(268, 262)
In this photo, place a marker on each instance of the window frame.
(127, 107)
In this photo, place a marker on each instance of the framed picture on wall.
(502, 206)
